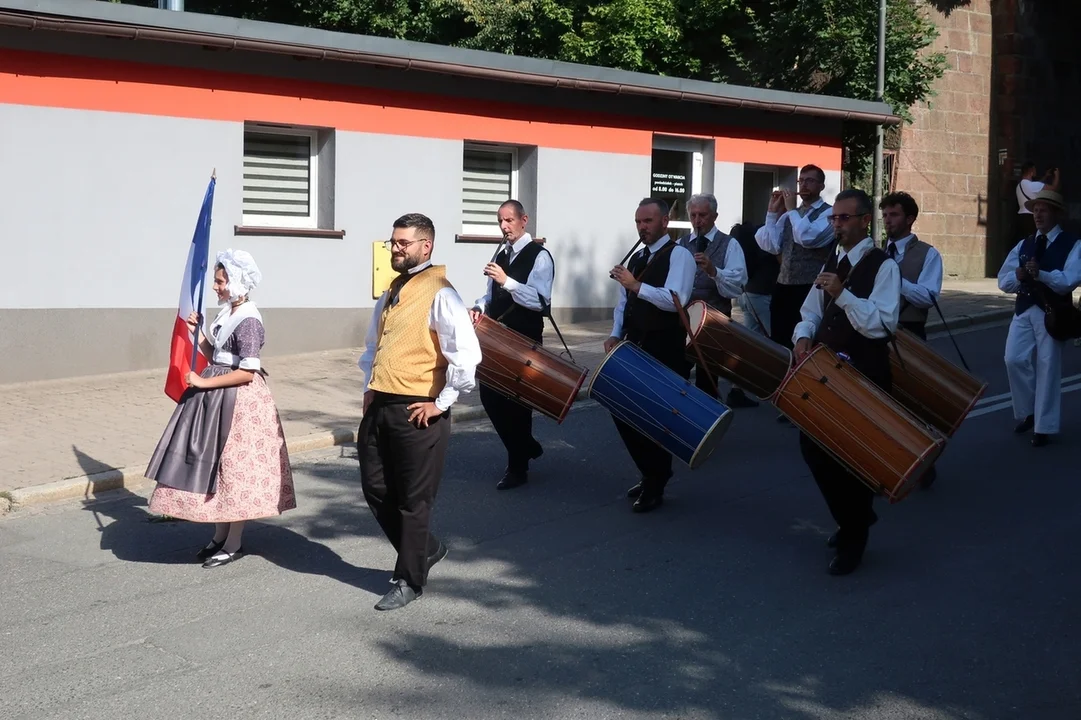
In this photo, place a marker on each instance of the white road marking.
(1003, 396)
(1008, 404)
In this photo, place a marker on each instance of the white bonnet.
(242, 272)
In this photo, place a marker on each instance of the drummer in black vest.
(920, 263)
(720, 275)
(646, 315)
(852, 309)
(519, 296)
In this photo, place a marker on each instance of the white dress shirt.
(928, 285)
(538, 285)
(458, 343)
(871, 316)
(804, 232)
(1060, 281)
(730, 278)
(680, 279)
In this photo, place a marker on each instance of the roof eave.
(30, 20)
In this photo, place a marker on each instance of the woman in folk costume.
(222, 458)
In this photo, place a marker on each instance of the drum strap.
(955, 347)
(546, 311)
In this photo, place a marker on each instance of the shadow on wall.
(583, 291)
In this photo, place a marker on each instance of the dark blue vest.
(1052, 258)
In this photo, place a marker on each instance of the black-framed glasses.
(391, 244)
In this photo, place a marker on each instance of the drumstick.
(694, 343)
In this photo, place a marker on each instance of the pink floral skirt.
(255, 479)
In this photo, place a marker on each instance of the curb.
(88, 487)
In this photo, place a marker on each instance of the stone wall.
(943, 159)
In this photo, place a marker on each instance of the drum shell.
(858, 424)
(523, 370)
(931, 387)
(736, 353)
(647, 395)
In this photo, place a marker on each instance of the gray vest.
(911, 266)
(705, 287)
(800, 265)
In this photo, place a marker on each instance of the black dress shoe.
(399, 596)
(635, 491)
(223, 558)
(537, 451)
(1039, 439)
(211, 548)
(833, 539)
(512, 480)
(1025, 425)
(845, 562)
(439, 554)
(647, 503)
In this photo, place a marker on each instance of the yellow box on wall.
(382, 273)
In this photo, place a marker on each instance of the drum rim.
(604, 361)
(726, 417)
(574, 396)
(701, 321)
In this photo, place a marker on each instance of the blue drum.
(644, 393)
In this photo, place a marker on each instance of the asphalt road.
(557, 602)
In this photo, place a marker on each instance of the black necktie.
(395, 288)
(703, 241)
(843, 268)
(1041, 245)
(639, 262)
(891, 251)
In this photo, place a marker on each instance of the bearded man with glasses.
(853, 308)
(420, 354)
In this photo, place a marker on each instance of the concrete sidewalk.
(80, 436)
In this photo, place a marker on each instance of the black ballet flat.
(218, 560)
(211, 548)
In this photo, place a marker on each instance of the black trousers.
(850, 501)
(400, 469)
(702, 378)
(513, 422)
(784, 315)
(653, 462)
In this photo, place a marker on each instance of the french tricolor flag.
(183, 354)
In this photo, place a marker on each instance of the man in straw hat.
(1048, 261)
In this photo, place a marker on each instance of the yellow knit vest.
(407, 358)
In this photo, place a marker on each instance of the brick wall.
(1034, 109)
(943, 160)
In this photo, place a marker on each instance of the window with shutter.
(489, 177)
(280, 178)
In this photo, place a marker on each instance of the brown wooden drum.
(747, 359)
(523, 370)
(931, 387)
(858, 423)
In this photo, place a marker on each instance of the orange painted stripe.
(48, 80)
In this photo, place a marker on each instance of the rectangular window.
(281, 180)
(489, 177)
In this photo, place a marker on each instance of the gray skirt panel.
(187, 455)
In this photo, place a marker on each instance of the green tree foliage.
(818, 46)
